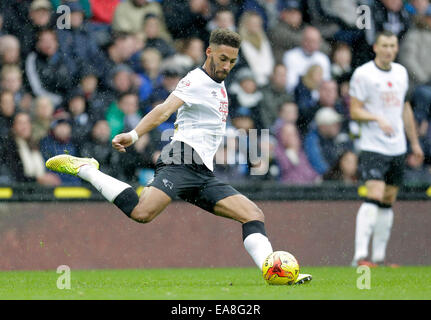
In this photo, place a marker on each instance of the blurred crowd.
(72, 78)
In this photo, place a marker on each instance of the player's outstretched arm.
(154, 118)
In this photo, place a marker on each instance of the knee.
(256, 214)
(142, 215)
(388, 200)
(375, 192)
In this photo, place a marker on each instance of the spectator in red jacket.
(103, 10)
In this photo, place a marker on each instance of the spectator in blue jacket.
(325, 142)
(58, 142)
(81, 123)
(268, 10)
(48, 72)
(98, 146)
(307, 97)
(77, 42)
(118, 51)
(149, 75)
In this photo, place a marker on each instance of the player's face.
(221, 60)
(386, 49)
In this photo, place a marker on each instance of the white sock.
(258, 247)
(382, 233)
(365, 221)
(108, 186)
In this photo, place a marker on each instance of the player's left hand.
(417, 152)
(122, 141)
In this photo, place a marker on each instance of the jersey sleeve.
(186, 90)
(358, 86)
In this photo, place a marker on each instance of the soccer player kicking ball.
(378, 89)
(185, 169)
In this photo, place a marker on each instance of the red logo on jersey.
(390, 84)
(223, 110)
(390, 99)
(223, 92)
(184, 83)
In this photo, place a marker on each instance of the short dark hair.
(149, 16)
(131, 92)
(385, 33)
(46, 30)
(225, 37)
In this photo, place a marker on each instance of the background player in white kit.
(185, 168)
(378, 90)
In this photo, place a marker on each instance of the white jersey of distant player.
(383, 93)
(201, 120)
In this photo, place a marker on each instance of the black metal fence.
(255, 191)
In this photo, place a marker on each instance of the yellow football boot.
(65, 163)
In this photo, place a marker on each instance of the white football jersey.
(383, 93)
(201, 120)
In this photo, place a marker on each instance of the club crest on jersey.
(168, 184)
(184, 83)
(389, 84)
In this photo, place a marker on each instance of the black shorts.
(191, 180)
(376, 166)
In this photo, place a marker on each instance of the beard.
(220, 76)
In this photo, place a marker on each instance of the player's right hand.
(122, 141)
(386, 127)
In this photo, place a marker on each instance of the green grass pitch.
(333, 283)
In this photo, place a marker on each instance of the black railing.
(253, 190)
